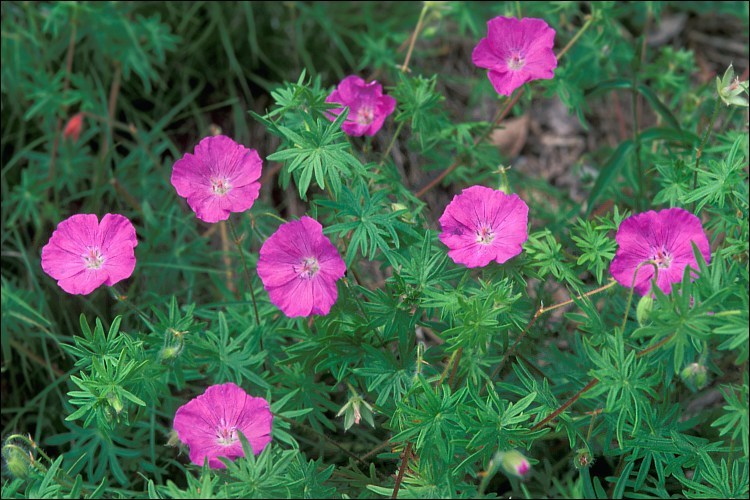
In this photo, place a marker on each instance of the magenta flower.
(220, 178)
(663, 237)
(82, 253)
(481, 225)
(210, 424)
(299, 268)
(516, 51)
(368, 107)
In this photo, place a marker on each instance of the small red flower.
(73, 127)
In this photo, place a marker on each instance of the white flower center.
(220, 186)
(485, 235)
(93, 258)
(515, 61)
(662, 257)
(307, 268)
(365, 116)
(226, 435)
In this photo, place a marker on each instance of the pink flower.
(516, 51)
(82, 254)
(299, 268)
(220, 178)
(210, 424)
(663, 237)
(73, 127)
(368, 107)
(481, 225)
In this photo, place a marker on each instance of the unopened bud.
(115, 402)
(514, 463)
(695, 376)
(170, 352)
(173, 439)
(17, 460)
(643, 311)
(406, 216)
(73, 128)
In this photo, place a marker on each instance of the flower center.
(515, 61)
(485, 235)
(220, 186)
(662, 258)
(365, 116)
(93, 258)
(308, 268)
(226, 435)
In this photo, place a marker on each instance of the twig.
(498, 118)
(402, 470)
(533, 319)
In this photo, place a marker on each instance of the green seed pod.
(583, 459)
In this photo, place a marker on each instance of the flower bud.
(643, 311)
(514, 463)
(73, 127)
(115, 402)
(169, 353)
(695, 376)
(17, 460)
(406, 216)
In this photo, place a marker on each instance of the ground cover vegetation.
(374, 249)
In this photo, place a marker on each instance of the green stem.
(632, 287)
(637, 136)
(390, 146)
(405, 66)
(247, 273)
(704, 140)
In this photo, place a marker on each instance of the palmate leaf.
(371, 227)
(320, 150)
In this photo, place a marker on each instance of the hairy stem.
(247, 274)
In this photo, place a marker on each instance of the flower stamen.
(516, 61)
(485, 235)
(308, 268)
(661, 257)
(93, 258)
(220, 186)
(365, 115)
